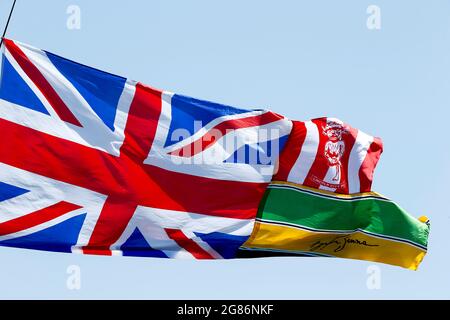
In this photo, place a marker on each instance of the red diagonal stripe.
(39, 80)
(188, 244)
(115, 215)
(37, 217)
(218, 131)
(142, 122)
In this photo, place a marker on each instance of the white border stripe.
(123, 107)
(24, 204)
(162, 129)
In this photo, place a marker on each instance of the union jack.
(88, 163)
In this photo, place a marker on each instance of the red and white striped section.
(326, 153)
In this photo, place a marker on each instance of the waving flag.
(94, 163)
(320, 202)
(298, 220)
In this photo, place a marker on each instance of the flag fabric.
(327, 154)
(299, 220)
(93, 163)
(320, 202)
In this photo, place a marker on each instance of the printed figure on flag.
(91, 162)
(335, 147)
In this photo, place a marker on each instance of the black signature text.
(339, 243)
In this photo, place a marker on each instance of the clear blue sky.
(303, 59)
